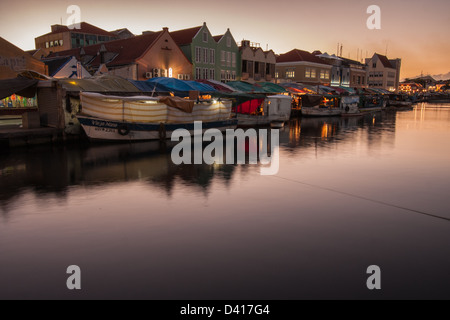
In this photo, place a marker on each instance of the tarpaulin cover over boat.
(309, 101)
(245, 87)
(144, 109)
(217, 85)
(177, 87)
(103, 83)
(270, 87)
(21, 86)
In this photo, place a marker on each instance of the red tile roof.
(217, 38)
(126, 50)
(299, 55)
(184, 37)
(84, 28)
(385, 61)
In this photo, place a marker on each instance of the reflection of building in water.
(375, 130)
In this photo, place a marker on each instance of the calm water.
(350, 193)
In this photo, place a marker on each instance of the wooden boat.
(320, 106)
(350, 106)
(372, 103)
(138, 118)
(275, 109)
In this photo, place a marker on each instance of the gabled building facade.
(302, 66)
(66, 67)
(256, 64)
(213, 58)
(63, 38)
(230, 58)
(138, 58)
(383, 73)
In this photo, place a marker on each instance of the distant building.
(302, 66)
(214, 58)
(383, 73)
(14, 60)
(137, 58)
(410, 87)
(345, 72)
(63, 38)
(230, 58)
(257, 65)
(123, 33)
(65, 67)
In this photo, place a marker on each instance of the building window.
(228, 75)
(198, 54)
(374, 65)
(363, 80)
(228, 42)
(322, 74)
(212, 74)
(212, 56)
(290, 73)
(61, 42)
(233, 59)
(222, 75)
(181, 77)
(205, 55)
(233, 75)
(310, 73)
(277, 75)
(222, 58)
(359, 79)
(205, 36)
(47, 45)
(205, 73)
(198, 73)
(228, 59)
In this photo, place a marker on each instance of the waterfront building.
(154, 54)
(228, 58)
(65, 67)
(302, 66)
(63, 38)
(345, 72)
(257, 65)
(212, 58)
(383, 73)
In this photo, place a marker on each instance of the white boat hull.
(106, 130)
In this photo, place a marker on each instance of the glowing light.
(170, 73)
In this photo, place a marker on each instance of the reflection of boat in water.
(145, 118)
(276, 109)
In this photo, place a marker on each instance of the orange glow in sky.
(416, 31)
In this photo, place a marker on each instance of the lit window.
(277, 75)
(290, 73)
(47, 45)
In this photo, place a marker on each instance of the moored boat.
(350, 106)
(275, 109)
(138, 118)
(320, 106)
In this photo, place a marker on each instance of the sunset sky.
(416, 31)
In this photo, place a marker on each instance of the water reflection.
(51, 170)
